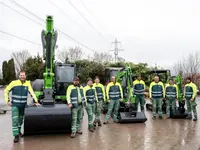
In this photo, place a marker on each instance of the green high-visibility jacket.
(171, 91)
(75, 95)
(114, 91)
(100, 91)
(90, 94)
(156, 90)
(139, 87)
(190, 91)
(20, 92)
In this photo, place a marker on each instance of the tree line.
(86, 66)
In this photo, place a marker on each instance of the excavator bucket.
(47, 119)
(131, 115)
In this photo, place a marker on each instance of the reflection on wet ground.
(166, 134)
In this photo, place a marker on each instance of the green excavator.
(127, 111)
(53, 115)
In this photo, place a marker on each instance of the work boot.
(189, 117)
(91, 129)
(16, 139)
(99, 123)
(116, 121)
(73, 135)
(79, 132)
(105, 122)
(154, 117)
(160, 117)
(20, 134)
(94, 124)
(195, 118)
(168, 117)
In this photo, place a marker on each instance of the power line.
(21, 14)
(116, 49)
(66, 15)
(66, 35)
(20, 38)
(86, 19)
(27, 10)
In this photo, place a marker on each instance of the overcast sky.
(151, 31)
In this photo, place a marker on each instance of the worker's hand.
(164, 99)
(37, 104)
(84, 104)
(108, 101)
(192, 99)
(121, 100)
(97, 104)
(9, 104)
(70, 105)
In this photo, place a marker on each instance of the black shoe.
(73, 135)
(116, 121)
(99, 123)
(16, 139)
(154, 117)
(94, 124)
(160, 117)
(105, 122)
(79, 132)
(20, 134)
(195, 119)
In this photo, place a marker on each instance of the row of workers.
(92, 97)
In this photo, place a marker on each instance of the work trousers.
(90, 108)
(157, 103)
(140, 100)
(17, 119)
(170, 102)
(114, 104)
(98, 111)
(191, 106)
(76, 118)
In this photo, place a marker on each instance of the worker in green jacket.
(139, 87)
(190, 92)
(114, 95)
(171, 91)
(75, 100)
(91, 100)
(157, 94)
(101, 97)
(20, 89)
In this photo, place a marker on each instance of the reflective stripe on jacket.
(156, 90)
(171, 91)
(114, 91)
(190, 91)
(139, 87)
(90, 94)
(100, 91)
(20, 92)
(75, 95)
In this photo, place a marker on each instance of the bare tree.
(190, 65)
(20, 58)
(102, 57)
(71, 54)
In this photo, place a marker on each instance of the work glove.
(9, 103)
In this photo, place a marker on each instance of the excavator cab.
(109, 72)
(64, 75)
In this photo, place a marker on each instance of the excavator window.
(65, 74)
